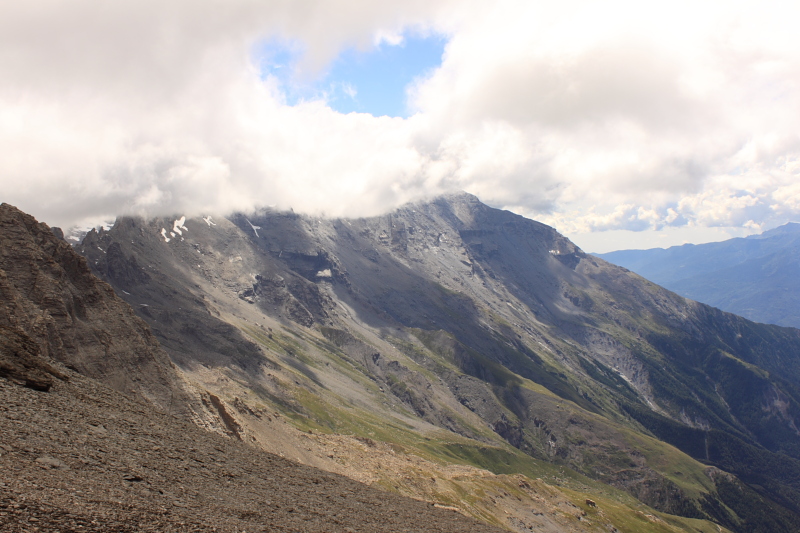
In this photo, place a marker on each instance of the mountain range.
(471, 358)
(99, 432)
(757, 277)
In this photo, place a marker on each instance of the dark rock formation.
(53, 308)
(20, 361)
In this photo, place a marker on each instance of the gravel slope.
(82, 457)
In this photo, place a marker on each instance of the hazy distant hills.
(757, 277)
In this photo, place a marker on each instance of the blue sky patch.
(372, 81)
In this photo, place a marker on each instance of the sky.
(621, 124)
(371, 81)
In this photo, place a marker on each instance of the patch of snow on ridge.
(255, 228)
(164, 234)
(208, 221)
(179, 225)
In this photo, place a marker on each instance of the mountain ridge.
(452, 316)
(89, 442)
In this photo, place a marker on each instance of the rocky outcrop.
(52, 308)
(20, 362)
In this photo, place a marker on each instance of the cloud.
(630, 110)
(589, 116)
(145, 107)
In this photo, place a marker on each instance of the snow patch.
(179, 226)
(255, 228)
(164, 234)
(209, 221)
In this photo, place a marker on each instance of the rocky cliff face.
(471, 334)
(53, 308)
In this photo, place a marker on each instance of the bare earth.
(82, 457)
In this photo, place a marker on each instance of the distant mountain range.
(757, 277)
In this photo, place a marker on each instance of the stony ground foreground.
(84, 458)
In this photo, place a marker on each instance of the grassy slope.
(326, 413)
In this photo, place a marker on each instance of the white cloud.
(591, 116)
(628, 106)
